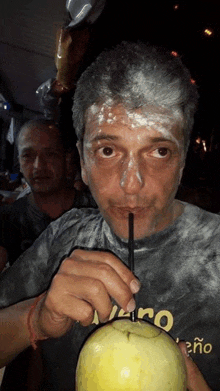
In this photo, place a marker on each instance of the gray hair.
(136, 75)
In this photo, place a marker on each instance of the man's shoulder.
(77, 227)
(200, 225)
(199, 216)
(83, 217)
(17, 206)
(76, 213)
(21, 201)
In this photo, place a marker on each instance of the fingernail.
(131, 305)
(135, 286)
(103, 320)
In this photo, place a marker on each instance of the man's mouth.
(41, 178)
(123, 211)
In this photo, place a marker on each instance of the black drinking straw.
(131, 253)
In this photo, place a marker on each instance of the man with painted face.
(133, 112)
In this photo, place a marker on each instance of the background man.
(133, 112)
(44, 161)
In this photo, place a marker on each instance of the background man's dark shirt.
(22, 222)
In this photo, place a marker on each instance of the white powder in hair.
(152, 90)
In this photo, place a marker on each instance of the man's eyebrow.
(114, 137)
(160, 139)
(104, 136)
(25, 149)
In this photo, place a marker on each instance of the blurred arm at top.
(71, 46)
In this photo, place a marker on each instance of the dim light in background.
(208, 32)
(174, 54)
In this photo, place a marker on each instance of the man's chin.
(147, 221)
(42, 190)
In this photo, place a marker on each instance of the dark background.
(27, 47)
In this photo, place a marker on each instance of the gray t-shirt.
(179, 269)
(22, 222)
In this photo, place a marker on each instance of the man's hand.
(85, 282)
(196, 381)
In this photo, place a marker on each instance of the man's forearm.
(14, 335)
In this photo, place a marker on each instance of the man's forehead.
(36, 133)
(40, 140)
(141, 116)
(149, 117)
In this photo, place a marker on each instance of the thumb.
(195, 380)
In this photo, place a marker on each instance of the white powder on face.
(160, 122)
(112, 119)
(130, 166)
(101, 118)
(94, 109)
(102, 113)
(87, 144)
(137, 119)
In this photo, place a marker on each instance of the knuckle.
(56, 280)
(57, 286)
(96, 288)
(87, 314)
(126, 275)
(76, 253)
(65, 264)
(105, 270)
(108, 257)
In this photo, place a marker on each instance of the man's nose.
(39, 162)
(131, 179)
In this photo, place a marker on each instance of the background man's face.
(132, 162)
(42, 159)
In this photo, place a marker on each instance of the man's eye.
(107, 151)
(51, 155)
(27, 156)
(160, 152)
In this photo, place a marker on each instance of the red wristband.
(33, 336)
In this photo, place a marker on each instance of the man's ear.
(181, 171)
(181, 174)
(82, 162)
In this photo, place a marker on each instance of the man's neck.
(55, 204)
(175, 210)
